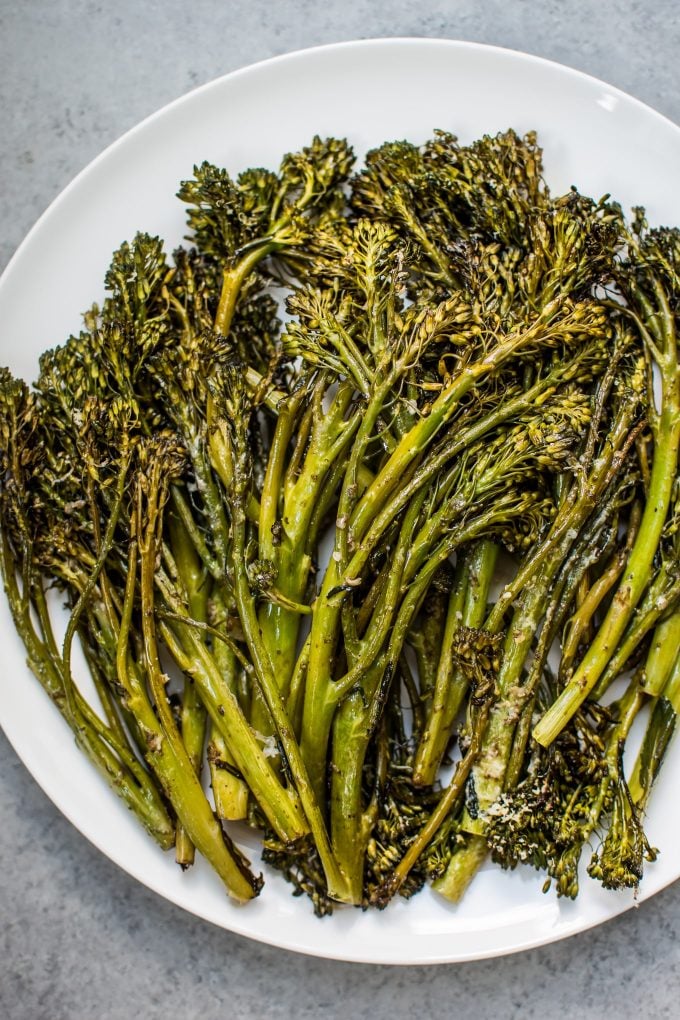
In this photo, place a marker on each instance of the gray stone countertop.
(78, 937)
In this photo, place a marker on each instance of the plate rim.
(282, 58)
(343, 953)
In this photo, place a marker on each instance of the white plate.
(594, 137)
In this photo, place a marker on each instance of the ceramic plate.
(594, 137)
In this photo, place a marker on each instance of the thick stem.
(337, 885)
(560, 564)
(166, 752)
(658, 735)
(577, 506)
(349, 831)
(663, 654)
(581, 621)
(446, 804)
(232, 282)
(637, 572)
(230, 792)
(453, 447)
(656, 603)
(464, 864)
(489, 773)
(279, 804)
(418, 438)
(330, 435)
(467, 607)
(321, 692)
(194, 580)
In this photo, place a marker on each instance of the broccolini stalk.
(662, 596)
(546, 560)
(660, 730)
(322, 693)
(326, 618)
(181, 376)
(662, 655)
(575, 324)
(568, 793)
(427, 549)
(24, 464)
(112, 759)
(489, 776)
(288, 525)
(445, 807)
(660, 680)
(323, 699)
(555, 586)
(352, 821)
(577, 368)
(230, 791)
(237, 415)
(657, 611)
(466, 860)
(237, 223)
(354, 721)
(581, 620)
(619, 861)
(597, 538)
(185, 643)
(194, 580)
(651, 288)
(416, 560)
(451, 685)
(364, 694)
(426, 635)
(160, 461)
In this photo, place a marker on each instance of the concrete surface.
(78, 938)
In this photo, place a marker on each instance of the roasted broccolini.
(368, 570)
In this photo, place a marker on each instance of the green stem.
(453, 447)
(659, 599)
(672, 689)
(561, 565)
(349, 823)
(467, 607)
(280, 805)
(637, 572)
(418, 438)
(659, 732)
(232, 282)
(321, 691)
(230, 792)
(446, 804)
(337, 886)
(358, 713)
(489, 773)
(574, 511)
(662, 655)
(194, 580)
(330, 435)
(166, 750)
(582, 619)
(465, 862)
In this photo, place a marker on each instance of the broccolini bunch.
(370, 570)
